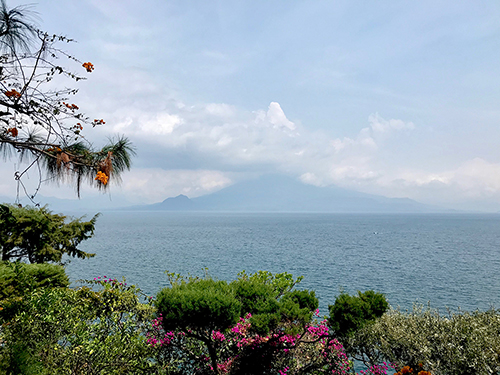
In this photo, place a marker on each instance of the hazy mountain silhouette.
(273, 193)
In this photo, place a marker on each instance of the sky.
(399, 99)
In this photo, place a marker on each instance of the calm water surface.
(449, 260)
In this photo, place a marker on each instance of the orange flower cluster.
(98, 122)
(102, 177)
(407, 370)
(71, 106)
(50, 149)
(13, 94)
(13, 131)
(89, 66)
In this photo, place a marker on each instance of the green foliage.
(20, 279)
(456, 343)
(66, 331)
(269, 299)
(38, 235)
(201, 305)
(16, 29)
(281, 283)
(351, 313)
(256, 324)
(16, 277)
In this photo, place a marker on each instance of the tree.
(37, 235)
(256, 324)
(349, 315)
(458, 342)
(38, 121)
(80, 331)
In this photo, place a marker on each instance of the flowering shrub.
(240, 351)
(196, 331)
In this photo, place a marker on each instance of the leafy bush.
(351, 313)
(254, 325)
(199, 305)
(67, 331)
(20, 279)
(16, 277)
(37, 235)
(456, 343)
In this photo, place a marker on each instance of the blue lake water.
(450, 260)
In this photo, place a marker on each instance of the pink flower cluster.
(283, 372)
(321, 330)
(105, 280)
(156, 338)
(289, 339)
(225, 367)
(242, 326)
(334, 353)
(218, 336)
(166, 340)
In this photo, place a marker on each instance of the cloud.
(276, 116)
(151, 185)
(222, 137)
(379, 125)
(158, 124)
(474, 178)
(472, 185)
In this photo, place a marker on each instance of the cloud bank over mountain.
(400, 101)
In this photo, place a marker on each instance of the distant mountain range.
(274, 193)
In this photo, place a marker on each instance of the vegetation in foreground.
(257, 324)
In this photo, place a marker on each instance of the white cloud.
(474, 178)
(150, 185)
(221, 137)
(379, 125)
(276, 116)
(222, 110)
(160, 124)
(471, 185)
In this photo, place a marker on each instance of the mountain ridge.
(274, 193)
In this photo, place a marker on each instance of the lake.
(451, 260)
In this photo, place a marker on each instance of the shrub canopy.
(37, 235)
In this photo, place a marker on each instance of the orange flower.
(405, 370)
(13, 93)
(71, 106)
(89, 66)
(98, 122)
(13, 131)
(424, 373)
(102, 177)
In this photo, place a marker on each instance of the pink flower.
(218, 336)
